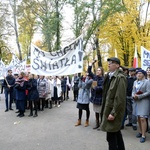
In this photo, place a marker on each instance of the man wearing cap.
(113, 106)
(131, 106)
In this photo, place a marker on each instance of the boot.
(35, 115)
(46, 104)
(50, 105)
(31, 114)
(78, 122)
(86, 123)
(97, 124)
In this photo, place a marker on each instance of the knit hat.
(142, 71)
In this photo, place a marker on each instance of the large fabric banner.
(145, 58)
(16, 65)
(2, 70)
(66, 61)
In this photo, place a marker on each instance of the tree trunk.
(16, 30)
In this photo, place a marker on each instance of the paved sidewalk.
(54, 129)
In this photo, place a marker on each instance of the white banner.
(67, 61)
(16, 65)
(2, 69)
(145, 58)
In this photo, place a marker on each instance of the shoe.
(18, 115)
(30, 115)
(10, 109)
(58, 106)
(134, 127)
(6, 110)
(142, 139)
(139, 135)
(122, 127)
(86, 123)
(97, 125)
(35, 115)
(129, 125)
(17, 111)
(22, 115)
(98, 129)
(78, 123)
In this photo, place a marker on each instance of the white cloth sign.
(2, 69)
(16, 65)
(66, 61)
(145, 58)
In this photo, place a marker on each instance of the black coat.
(96, 93)
(11, 81)
(32, 90)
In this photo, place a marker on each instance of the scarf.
(20, 81)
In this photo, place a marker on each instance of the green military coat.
(114, 101)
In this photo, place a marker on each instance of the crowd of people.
(36, 92)
(119, 95)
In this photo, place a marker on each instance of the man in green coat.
(113, 106)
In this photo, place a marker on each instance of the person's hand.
(111, 117)
(94, 61)
(135, 97)
(8, 86)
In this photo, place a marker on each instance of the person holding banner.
(8, 85)
(56, 91)
(42, 87)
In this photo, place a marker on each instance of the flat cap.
(115, 59)
(132, 69)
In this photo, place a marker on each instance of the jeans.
(10, 94)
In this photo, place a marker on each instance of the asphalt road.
(54, 129)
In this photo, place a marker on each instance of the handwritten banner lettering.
(145, 58)
(68, 60)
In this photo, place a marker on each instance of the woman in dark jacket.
(33, 95)
(21, 85)
(96, 92)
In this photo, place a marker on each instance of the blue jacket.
(96, 93)
(84, 91)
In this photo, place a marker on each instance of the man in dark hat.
(113, 105)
